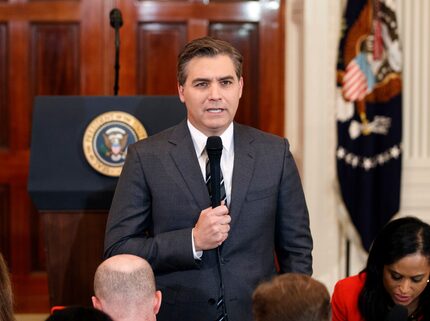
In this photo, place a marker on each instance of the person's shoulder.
(351, 283)
(156, 139)
(346, 296)
(258, 135)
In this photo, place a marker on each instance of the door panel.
(255, 27)
(54, 63)
(157, 47)
(244, 36)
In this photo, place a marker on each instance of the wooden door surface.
(154, 32)
(57, 47)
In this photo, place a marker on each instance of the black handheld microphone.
(214, 151)
(115, 17)
(397, 313)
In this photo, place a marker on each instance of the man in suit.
(207, 261)
(124, 288)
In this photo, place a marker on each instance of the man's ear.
(241, 86)
(96, 303)
(181, 93)
(157, 301)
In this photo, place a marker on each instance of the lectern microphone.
(116, 22)
(115, 17)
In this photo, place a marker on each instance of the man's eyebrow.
(196, 80)
(226, 78)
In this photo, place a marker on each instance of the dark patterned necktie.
(223, 195)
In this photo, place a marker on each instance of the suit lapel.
(244, 157)
(184, 157)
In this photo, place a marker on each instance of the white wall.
(312, 37)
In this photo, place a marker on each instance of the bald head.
(124, 277)
(124, 287)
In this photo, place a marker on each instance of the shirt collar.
(199, 139)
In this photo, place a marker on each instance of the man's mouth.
(215, 110)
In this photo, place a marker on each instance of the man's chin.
(217, 126)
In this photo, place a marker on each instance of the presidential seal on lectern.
(106, 139)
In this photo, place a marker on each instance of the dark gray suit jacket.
(157, 202)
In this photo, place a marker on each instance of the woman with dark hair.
(6, 298)
(397, 273)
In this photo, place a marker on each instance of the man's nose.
(214, 91)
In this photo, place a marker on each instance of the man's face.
(211, 93)
(406, 279)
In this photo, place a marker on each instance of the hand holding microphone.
(212, 228)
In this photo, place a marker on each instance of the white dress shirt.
(227, 161)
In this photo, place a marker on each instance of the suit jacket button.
(211, 301)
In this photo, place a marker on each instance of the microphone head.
(397, 313)
(214, 150)
(214, 145)
(115, 17)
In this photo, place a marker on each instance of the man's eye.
(200, 84)
(226, 82)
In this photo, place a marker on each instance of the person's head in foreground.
(398, 271)
(78, 313)
(124, 288)
(291, 297)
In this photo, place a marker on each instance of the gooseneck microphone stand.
(116, 22)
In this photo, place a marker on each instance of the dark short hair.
(78, 313)
(398, 239)
(207, 47)
(291, 297)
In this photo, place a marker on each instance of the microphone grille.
(214, 144)
(115, 18)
